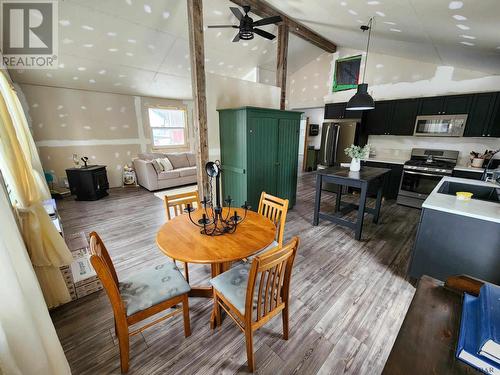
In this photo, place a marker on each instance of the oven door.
(418, 184)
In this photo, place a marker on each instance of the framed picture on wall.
(346, 74)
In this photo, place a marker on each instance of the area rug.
(177, 190)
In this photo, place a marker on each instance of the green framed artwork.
(346, 74)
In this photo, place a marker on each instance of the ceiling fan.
(247, 25)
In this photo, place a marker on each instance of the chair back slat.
(178, 202)
(275, 209)
(272, 270)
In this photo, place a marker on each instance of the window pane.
(159, 117)
(168, 137)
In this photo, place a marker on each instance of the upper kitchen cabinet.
(392, 117)
(431, 106)
(397, 117)
(493, 129)
(445, 105)
(457, 104)
(482, 115)
(404, 115)
(337, 111)
(378, 120)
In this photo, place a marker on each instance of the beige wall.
(389, 77)
(113, 156)
(111, 128)
(225, 92)
(108, 128)
(309, 85)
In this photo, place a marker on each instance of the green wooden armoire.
(259, 152)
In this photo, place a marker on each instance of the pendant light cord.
(369, 25)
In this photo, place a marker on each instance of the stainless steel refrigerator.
(336, 136)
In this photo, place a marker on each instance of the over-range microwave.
(440, 125)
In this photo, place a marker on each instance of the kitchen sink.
(483, 193)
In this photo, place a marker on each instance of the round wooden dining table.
(181, 240)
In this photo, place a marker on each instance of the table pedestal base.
(207, 291)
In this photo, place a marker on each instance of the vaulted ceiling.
(140, 47)
(445, 32)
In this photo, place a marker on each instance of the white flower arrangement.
(357, 152)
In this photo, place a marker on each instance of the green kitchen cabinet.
(259, 152)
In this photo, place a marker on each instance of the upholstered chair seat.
(151, 286)
(232, 284)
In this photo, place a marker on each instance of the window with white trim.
(168, 127)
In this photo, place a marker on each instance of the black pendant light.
(362, 101)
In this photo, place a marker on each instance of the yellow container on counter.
(464, 195)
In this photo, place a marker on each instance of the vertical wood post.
(282, 62)
(197, 55)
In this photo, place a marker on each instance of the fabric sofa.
(148, 175)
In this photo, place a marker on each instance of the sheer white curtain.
(23, 172)
(28, 340)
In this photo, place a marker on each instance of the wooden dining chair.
(254, 293)
(140, 295)
(175, 205)
(275, 209)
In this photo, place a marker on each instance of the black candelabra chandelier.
(213, 221)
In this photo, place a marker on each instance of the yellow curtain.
(23, 172)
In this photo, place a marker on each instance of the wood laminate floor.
(348, 297)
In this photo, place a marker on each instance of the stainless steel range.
(422, 173)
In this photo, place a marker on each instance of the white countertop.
(478, 209)
(386, 160)
(402, 161)
(468, 168)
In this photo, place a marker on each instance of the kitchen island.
(367, 179)
(459, 237)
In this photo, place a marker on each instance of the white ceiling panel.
(424, 30)
(140, 47)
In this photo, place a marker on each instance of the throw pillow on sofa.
(165, 164)
(191, 159)
(158, 168)
(178, 160)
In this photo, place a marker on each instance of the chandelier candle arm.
(215, 222)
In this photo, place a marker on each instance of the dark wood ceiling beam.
(262, 9)
(197, 54)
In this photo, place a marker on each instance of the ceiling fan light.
(361, 101)
(246, 35)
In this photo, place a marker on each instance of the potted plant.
(356, 153)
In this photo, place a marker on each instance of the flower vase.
(355, 165)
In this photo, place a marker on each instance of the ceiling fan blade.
(264, 34)
(237, 12)
(236, 38)
(268, 21)
(222, 26)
